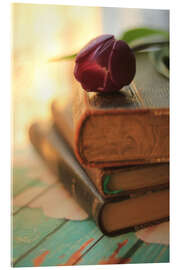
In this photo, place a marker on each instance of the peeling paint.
(40, 259)
(112, 259)
(76, 255)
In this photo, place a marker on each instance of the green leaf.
(149, 46)
(139, 33)
(160, 60)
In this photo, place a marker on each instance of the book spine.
(56, 153)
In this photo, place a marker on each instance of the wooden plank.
(156, 254)
(55, 202)
(27, 170)
(29, 195)
(30, 226)
(142, 253)
(21, 180)
(14, 209)
(153, 252)
(49, 210)
(30, 173)
(64, 247)
(110, 250)
(150, 253)
(163, 256)
(133, 251)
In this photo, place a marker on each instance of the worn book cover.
(112, 181)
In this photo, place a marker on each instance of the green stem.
(66, 57)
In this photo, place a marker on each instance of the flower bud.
(105, 65)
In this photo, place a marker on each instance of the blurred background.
(41, 32)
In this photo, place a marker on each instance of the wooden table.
(40, 239)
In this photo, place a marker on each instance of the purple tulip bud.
(105, 65)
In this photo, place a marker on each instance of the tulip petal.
(92, 45)
(90, 75)
(109, 86)
(101, 55)
(93, 79)
(122, 64)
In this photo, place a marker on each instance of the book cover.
(112, 181)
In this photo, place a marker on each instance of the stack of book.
(111, 152)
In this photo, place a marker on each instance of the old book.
(113, 216)
(112, 181)
(126, 128)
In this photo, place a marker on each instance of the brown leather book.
(118, 181)
(113, 216)
(126, 128)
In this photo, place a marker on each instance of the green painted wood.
(22, 180)
(139, 255)
(163, 256)
(156, 254)
(30, 226)
(150, 253)
(15, 209)
(65, 246)
(28, 172)
(106, 247)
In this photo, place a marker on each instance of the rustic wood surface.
(41, 238)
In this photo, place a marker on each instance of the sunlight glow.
(40, 32)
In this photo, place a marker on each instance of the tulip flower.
(105, 65)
